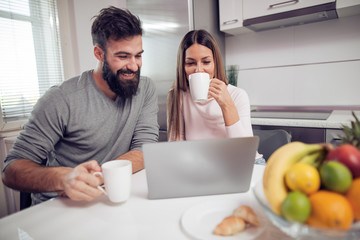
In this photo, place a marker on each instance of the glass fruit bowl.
(302, 231)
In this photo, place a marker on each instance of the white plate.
(200, 220)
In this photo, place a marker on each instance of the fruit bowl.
(298, 230)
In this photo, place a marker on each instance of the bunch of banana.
(280, 161)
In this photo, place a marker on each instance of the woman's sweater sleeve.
(241, 128)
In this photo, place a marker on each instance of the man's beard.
(122, 88)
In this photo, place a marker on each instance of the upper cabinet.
(347, 7)
(231, 16)
(260, 8)
(241, 16)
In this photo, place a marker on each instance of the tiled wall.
(312, 64)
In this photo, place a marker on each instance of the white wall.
(75, 17)
(313, 64)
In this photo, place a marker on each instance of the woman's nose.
(199, 68)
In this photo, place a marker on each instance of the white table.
(138, 218)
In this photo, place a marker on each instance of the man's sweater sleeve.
(147, 127)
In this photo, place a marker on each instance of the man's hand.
(80, 183)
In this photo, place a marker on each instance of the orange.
(353, 195)
(330, 210)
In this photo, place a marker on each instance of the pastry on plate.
(247, 214)
(230, 225)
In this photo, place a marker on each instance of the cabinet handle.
(230, 22)
(282, 3)
(336, 141)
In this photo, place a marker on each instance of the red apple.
(348, 155)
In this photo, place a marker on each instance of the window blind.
(31, 59)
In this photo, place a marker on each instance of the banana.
(315, 159)
(279, 162)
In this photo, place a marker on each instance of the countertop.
(336, 119)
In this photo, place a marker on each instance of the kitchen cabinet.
(302, 134)
(260, 8)
(309, 134)
(348, 7)
(9, 198)
(319, 128)
(242, 16)
(231, 17)
(333, 136)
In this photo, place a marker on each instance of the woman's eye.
(207, 62)
(190, 63)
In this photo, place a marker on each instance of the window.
(31, 60)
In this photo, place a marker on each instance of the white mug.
(199, 86)
(117, 179)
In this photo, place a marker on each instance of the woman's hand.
(218, 90)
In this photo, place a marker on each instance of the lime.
(335, 176)
(296, 207)
(303, 177)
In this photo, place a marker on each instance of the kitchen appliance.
(271, 14)
(297, 133)
(301, 132)
(165, 22)
(300, 16)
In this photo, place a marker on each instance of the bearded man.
(103, 114)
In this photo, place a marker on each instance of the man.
(103, 114)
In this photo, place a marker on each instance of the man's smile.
(127, 76)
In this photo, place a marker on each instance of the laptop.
(199, 167)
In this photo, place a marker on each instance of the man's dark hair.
(114, 23)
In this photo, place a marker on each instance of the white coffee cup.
(117, 179)
(199, 86)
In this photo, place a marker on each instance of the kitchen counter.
(336, 119)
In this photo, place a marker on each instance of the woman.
(226, 113)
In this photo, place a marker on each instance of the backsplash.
(315, 64)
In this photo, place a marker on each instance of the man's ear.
(99, 53)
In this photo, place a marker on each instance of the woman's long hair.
(201, 37)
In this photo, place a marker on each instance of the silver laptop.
(201, 167)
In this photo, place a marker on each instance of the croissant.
(230, 226)
(246, 213)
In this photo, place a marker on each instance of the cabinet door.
(333, 136)
(259, 8)
(347, 7)
(230, 20)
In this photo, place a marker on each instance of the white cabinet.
(231, 16)
(259, 15)
(9, 199)
(347, 7)
(260, 8)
